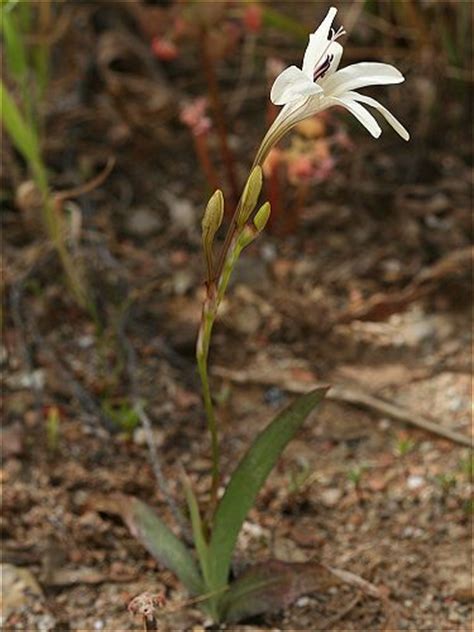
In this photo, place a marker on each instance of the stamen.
(320, 69)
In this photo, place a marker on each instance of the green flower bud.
(210, 224)
(213, 215)
(250, 195)
(261, 217)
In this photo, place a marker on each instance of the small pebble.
(454, 617)
(330, 497)
(303, 602)
(412, 532)
(415, 482)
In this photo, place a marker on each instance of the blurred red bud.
(164, 49)
(253, 18)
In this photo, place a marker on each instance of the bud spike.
(261, 217)
(250, 195)
(211, 222)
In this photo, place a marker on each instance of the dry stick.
(247, 67)
(354, 396)
(16, 296)
(360, 398)
(28, 326)
(80, 393)
(87, 187)
(218, 110)
(150, 624)
(329, 623)
(131, 368)
(202, 152)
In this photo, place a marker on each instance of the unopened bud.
(210, 224)
(261, 217)
(250, 195)
(213, 215)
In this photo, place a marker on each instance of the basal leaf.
(271, 586)
(247, 480)
(197, 526)
(161, 542)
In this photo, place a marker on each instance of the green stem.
(202, 354)
(209, 315)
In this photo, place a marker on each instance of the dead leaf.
(19, 588)
(272, 586)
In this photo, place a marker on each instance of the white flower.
(319, 85)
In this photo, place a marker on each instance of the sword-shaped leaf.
(161, 542)
(248, 479)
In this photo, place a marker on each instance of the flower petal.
(290, 114)
(394, 122)
(318, 43)
(359, 76)
(292, 84)
(361, 114)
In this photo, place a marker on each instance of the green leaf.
(161, 542)
(15, 51)
(271, 586)
(197, 526)
(22, 135)
(284, 23)
(247, 481)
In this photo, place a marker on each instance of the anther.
(321, 70)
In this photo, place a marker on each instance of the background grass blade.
(15, 52)
(21, 134)
(248, 479)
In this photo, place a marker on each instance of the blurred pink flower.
(193, 115)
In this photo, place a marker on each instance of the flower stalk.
(209, 314)
(216, 286)
(303, 92)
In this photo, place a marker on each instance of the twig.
(350, 395)
(16, 296)
(79, 392)
(87, 187)
(150, 624)
(131, 368)
(395, 411)
(367, 588)
(355, 580)
(27, 328)
(328, 625)
(247, 67)
(218, 110)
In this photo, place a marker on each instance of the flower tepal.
(319, 85)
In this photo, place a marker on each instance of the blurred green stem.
(202, 354)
